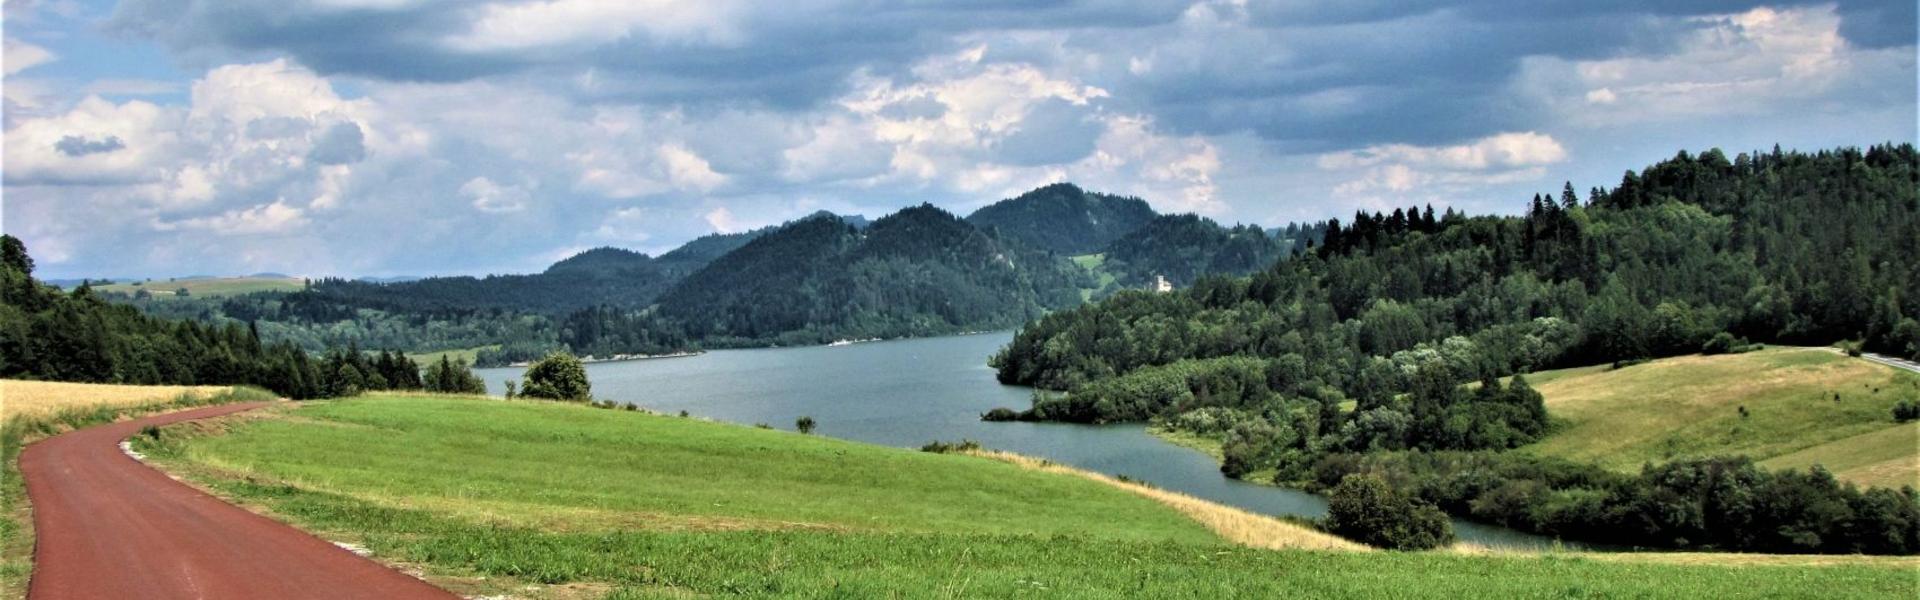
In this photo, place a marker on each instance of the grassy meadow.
(207, 287)
(463, 354)
(1102, 278)
(1802, 406)
(489, 496)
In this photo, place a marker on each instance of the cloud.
(992, 128)
(276, 217)
(1764, 61)
(1501, 151)
(139, 139)
(340, 144)
(723, 221)
(491, 197)
(77, 146)
(514, 27)
(1387, 175)
(624, 226)
(20, 56)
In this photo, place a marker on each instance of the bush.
(939, 447)
(1365, 509)
(1001, 414)
(559, 376)
(804, 424)
(1725, 343)
(1906, 410)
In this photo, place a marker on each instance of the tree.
(348, 381)
(450, 376)
(1364, 508)
(804, 425)
(13, 255)
(559, 376)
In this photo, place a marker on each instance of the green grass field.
(1102, 278)
(466, 354)
(1689, 407)
(213, 287)
(489, 495)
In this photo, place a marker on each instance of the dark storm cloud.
(376, 43)
(77, 146)
(1305, 73)
(796, 55)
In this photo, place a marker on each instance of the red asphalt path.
(110, 527)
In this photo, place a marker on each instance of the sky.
(416, 137)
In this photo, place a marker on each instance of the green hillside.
(1183, 248)
(919, 271)
(1064, 219)
(547, 500)
(1802, 406)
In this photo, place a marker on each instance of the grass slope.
(548, 465)
(634, 505)
(1689, 407)
(211, 287)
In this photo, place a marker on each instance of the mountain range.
(919, 271)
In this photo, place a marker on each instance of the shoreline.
(614, 358)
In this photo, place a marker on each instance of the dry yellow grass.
(1233, 524)
(22, 398)
(1786, 407)
(1722, 559)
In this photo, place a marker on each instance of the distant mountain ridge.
(918, 271)
(1064, 219)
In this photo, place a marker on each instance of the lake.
(906, 393)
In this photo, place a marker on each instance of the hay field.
(22, 398)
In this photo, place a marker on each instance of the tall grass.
(1235, 525)
(20, 397)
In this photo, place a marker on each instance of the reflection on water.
(909, 392)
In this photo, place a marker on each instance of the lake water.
(906, 393)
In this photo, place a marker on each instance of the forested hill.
(919, 271)
(1064, 219)
(693, 255)
(609, 276)
(1769, 246)
(1353, 359)
(76, 336)
(601, 277)
(1183, 248)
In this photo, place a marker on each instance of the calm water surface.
(909, 392)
